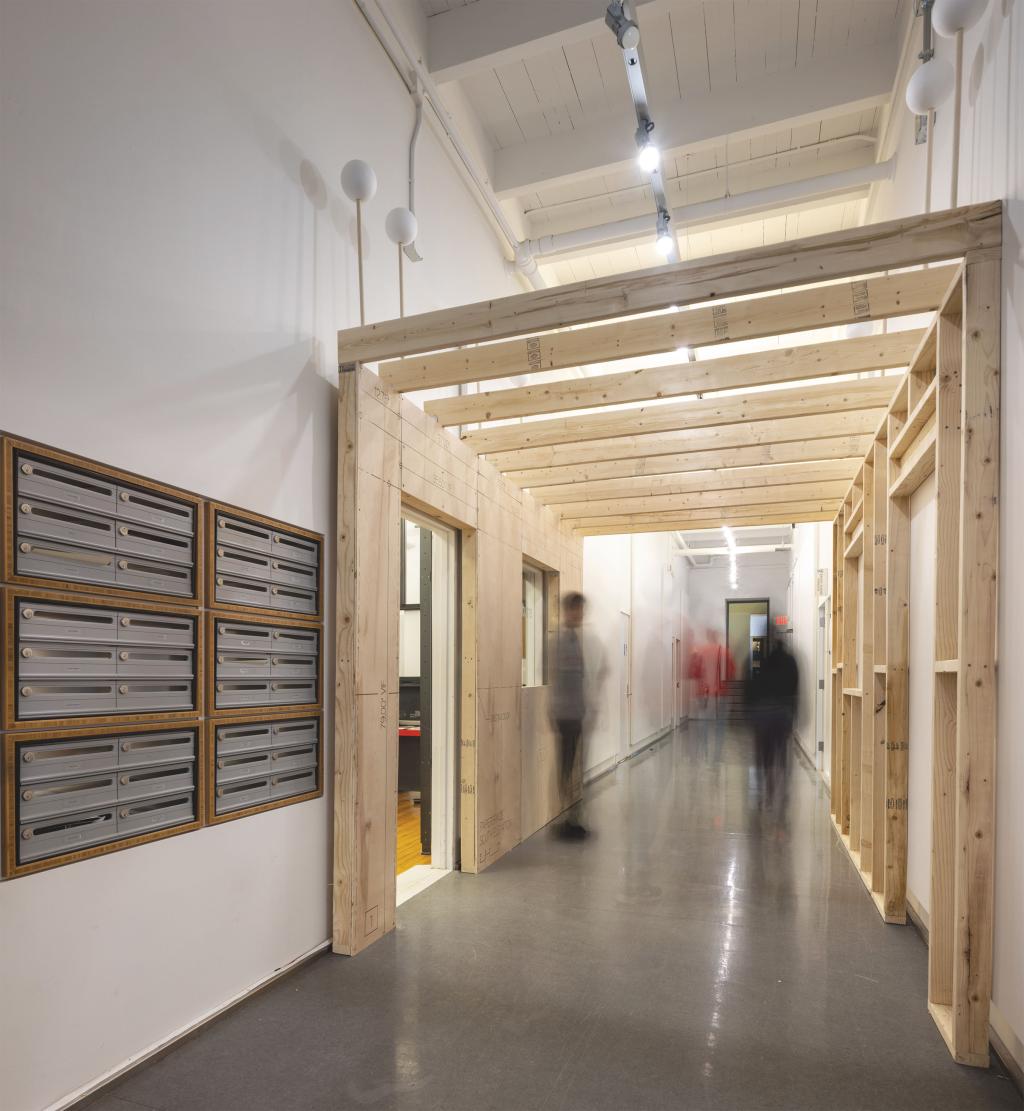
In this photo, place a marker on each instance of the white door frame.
(443, 686)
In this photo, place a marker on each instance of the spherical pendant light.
(950, 16)
(930, 86)
(401, 226)
(358, 180)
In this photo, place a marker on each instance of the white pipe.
(774, 196)
(378, 18)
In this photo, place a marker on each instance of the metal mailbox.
(155, 628)
(58, 522)
(292, 783)
(154, 509)
(299, 549)
(294, 758)
(293, 667)
(63, 759)
(231, 634)
(292, 691)
(43, 479)
(53, 836)
(246, 592)
(57, 698)
(293, 598)
(306, 641)
(154, 694)
(243, 665)
(54, 559)
(142, 817)
(142, 540)
(242, 692)
(294, 574)
(161, 779)
(147, 574)
(65, 796)
(243, 534)
(295, 732)
(242, 765)
(155, 748)
(243, 738)
(235, 796)
(54, 621)
(54, 659)
(168, 663)
(236, 561)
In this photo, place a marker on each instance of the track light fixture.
(648, 156)
(625, 30)
(665, 243)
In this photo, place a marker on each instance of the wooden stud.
(731, 372)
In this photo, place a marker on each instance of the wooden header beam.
(732, 372)
(896, 244)
(868, 393)
(850, 449)
(721, 478)
(722, 438)
(702, 326)
(745, 516)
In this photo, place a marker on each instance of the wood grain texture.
(744, 409)
(701, 326)
(897, 708)
(731, 372)
(874, 247)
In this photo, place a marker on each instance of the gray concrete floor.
(697, 952)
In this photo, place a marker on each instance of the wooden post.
(877, 678)
(865, 682)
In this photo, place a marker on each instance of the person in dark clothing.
(771, 700)
(568, 706)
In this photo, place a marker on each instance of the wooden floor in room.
(408, 852)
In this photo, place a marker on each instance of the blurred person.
(771, 701)
(577, 672)
(711, 668)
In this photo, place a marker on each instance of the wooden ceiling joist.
(896, 244)
(915, 291)
(732, 372)
(828, 493)
(776, 514)
(849, 448)
(825, 399)
(720, 478)
(722, 438)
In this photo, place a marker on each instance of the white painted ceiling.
(758, 93)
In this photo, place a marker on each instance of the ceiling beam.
(851, 449)
(722, 438)
(720, 478)
(860, 393)
(828, 493)
(744, 517)
(732, 372)
(602, 142)
(490, 33)
(915, 291)
(895, 244)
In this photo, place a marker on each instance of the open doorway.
(746, 633)
(425, 846)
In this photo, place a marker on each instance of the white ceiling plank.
(658, 59)
(690, 46)
(523, 100)
(586, 75)
(790, 99)
(484, 91)
(807, 20)
(720, 28)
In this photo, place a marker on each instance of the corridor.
(694, 953)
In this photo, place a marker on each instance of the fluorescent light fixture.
(648, 157)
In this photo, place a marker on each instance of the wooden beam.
(896, 244)
(842, 448)
(867, 393)
(826, 492)
(732, 372)
(702, 326)
(723, 438)
(720, 478)
(741, 517)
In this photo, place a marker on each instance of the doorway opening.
(425, 842)
(746, 633)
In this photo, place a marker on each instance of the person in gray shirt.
(569, 706)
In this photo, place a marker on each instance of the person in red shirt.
(711, 669)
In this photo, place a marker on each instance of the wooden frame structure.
(822, 431)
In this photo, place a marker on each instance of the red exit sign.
(782, 619)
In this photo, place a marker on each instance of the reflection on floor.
(698, 951)
(408, 846)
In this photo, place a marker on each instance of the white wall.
(991, 167)
(177, 256)
(639, 576)
(812, 550)
(922, 694)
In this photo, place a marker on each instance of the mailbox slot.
(154, 509)
(140, 817)
(63, 759)
(243, 738)
(53, 836)
(162, 779)
(49, 658)
(65, 796)
(243, 534)
(42, 479)
(235, 796)
(292, 783)
(156, 748)
(243, 765)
